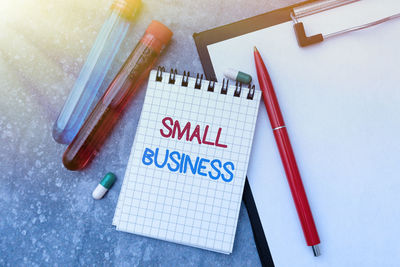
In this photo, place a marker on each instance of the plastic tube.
(108, 110)
(93, 72)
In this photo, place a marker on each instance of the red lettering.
(196, 133)
(177, 128)
(173, 129)
(217, 139)
(164, 122)
(205, 136)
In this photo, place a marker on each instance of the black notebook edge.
(205, 38)
(258, 231)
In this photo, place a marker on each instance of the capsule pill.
(105, 184)
(237, 76)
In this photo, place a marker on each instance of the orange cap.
(127, 8)
(160, 31)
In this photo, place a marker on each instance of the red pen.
(287, 155)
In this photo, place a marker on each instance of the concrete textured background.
(47, 214)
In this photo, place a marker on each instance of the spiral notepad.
(186, 172)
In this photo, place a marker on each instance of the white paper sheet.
(341, 103)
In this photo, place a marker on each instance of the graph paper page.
(193, 201)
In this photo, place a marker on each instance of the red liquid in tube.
(108, 110)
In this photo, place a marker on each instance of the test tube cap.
(160, 31)
(127, 8)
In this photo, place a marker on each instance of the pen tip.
(255, 49)
(316, 250)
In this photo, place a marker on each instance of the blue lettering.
(147, 156)
(175, 161)
(193, 168)
(226, 164)
(182, 161)
(171, 156)
(165, 159)
(202, 167)
(216, 169)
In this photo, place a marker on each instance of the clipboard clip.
(319, 6)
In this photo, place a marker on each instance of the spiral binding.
(197, 85)
(224, 88)
(160, 70)
(238, 89)
(172, 76)
(199, 80)
(185, 78)
(211, 85)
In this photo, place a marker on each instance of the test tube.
(93, 72)
(106, 113)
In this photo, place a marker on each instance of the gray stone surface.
(47, 214)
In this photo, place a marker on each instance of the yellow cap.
(127, 8)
